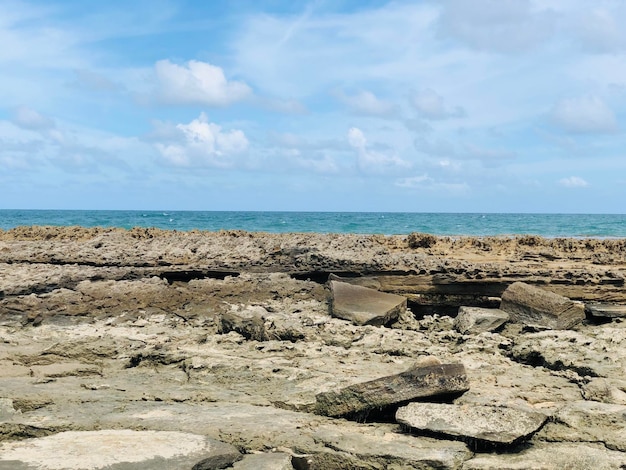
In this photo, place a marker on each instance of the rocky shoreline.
(225, 341)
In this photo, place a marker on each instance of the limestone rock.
(411, 451)
(418, 382)
(472, 320)
(533, 306)
(364, 306)
(588, 421)
(491, 424)
(604, 310)
(269, 461)
(250, 327)
(605, 391)
(553, 456)
(121, 449)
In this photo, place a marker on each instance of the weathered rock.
(490, 424)
(604, 310)
(119, 449)
(269, 461)
(553, 456)
(364, 306)
(418, 382)
(472, 320)
(251, 327)
(588, 421)
(411, 451)
(584, 353)
(533, 306)
(605, 391)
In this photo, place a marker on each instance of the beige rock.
(364, 306)
(533, 306)
(497, 425)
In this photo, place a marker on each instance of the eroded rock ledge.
(229, 336)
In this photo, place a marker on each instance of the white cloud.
(587, 114)
(202, 143)
(446, 149)
(28, 118)
(369, 160)
(356, 138)
(425, 182)
(366, 103)
(502, 26)
(415, 181)
(431, 105)
(197, 83)
(573, 182)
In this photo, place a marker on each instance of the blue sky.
(454, 105)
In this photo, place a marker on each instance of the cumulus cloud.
(502, 26)
(573, 182)
(201, 143)
(587, 114)
(28, 118)
(367, 103)
(370, 160)
(431, 105)
(197, 83)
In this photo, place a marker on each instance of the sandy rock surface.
(229, 336)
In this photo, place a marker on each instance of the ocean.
(387, 223)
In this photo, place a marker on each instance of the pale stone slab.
(418, 382)
(492, 424)
(117, 450)
(408, 451)
(474, 320)
(364, 306)
(553, 456)
(533, 306)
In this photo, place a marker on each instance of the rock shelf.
(227, 341)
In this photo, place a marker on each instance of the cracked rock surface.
(228, 337)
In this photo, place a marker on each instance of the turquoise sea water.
(388, 223)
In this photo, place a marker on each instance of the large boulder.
(364, 306)
(417, 382)
(537, 307)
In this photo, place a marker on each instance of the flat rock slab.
(553, 456)
(364, 306)
(474, 320)
(530, 305)
(418, 382)
(407, 451)
(606, 310)
(117, 450)
(588, 421)
(490, 424)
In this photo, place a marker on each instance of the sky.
(322, 105)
